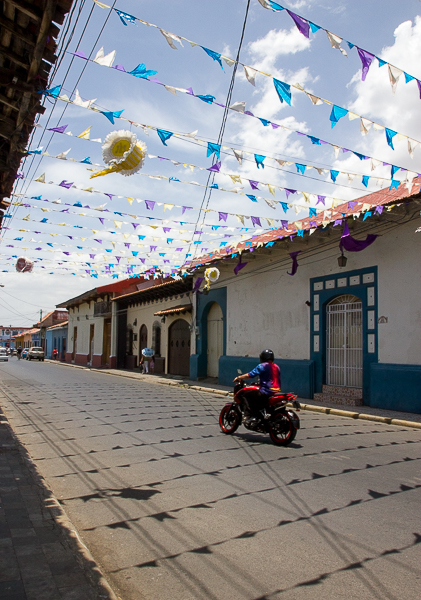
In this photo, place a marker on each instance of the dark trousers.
(258, 402)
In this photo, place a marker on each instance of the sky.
(72, 251)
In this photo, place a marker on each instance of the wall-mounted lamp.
(308, 302)
(135, 323)
(163, 319)
(342, 260)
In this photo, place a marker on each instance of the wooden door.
(106, 343)
(215, 339)
(143, 340)
(179, 348)
(91, 342)
(74, 343)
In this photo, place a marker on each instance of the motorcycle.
(279, 421)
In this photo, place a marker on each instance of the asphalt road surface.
(173, 509)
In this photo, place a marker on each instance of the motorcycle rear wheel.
(281, 430)
(229, 420)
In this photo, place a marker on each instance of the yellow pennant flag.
(101, 4)
(118, 224)
(130, 200)
(85, 135)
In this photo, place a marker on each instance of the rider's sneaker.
(265, 414)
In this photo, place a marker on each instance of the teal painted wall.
(396, 387)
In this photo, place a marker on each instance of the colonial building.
(54, 317)
(56, 337)
(340, 308)
(90, 334)
(158, 316)
(8, 335)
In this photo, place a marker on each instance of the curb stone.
(311, 407)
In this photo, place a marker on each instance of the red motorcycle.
(279, 421)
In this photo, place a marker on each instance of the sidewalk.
(41, 555)
(391, 417)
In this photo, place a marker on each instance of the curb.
(311, 407)
(83, 556)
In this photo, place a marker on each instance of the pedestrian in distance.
(55, 354)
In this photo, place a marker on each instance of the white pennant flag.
(250, 74)
(335, 42)
(412, 144)
(171, 38)
(105, 61)
(238, 155)
(394, 74)
(238, 106)
(365, 125)
(84, 103)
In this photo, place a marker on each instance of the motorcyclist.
(270, 382)
(19, 352)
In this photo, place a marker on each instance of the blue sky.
(271, 44)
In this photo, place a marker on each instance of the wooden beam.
(28, 9)
(14, 57)
(9, 102)
(18, 31)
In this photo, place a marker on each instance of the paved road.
(173, 509)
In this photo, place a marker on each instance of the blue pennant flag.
(314, 140)
(275, 6)
(300, 168)
(214, 149)
(264, 121)
(208, 98)
(312, 212)
(365, 180)
(390, 134)
(253, 198)
(164, 135)
(142, 72)
(54, 92)
(314, 27)
(408, 77)
(333, 175)
(395, 183)
(86, 160)
(112, 115)
(215, 55)
(393, 170)
(381, 62)
(259, 158)
(125, 17)
(283, 90)
(337, 113)
(284, 206)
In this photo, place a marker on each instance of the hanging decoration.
(24, 265)
(211, 276)
(350, 244)
(124, 152)
(294, 256)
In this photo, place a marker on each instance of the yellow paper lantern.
(124, 152)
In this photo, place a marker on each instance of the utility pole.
(40, 328)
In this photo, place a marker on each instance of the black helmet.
(266, 355)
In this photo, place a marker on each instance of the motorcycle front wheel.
(229, 419)
(281, 430)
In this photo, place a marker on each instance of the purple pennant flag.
(352, 204)
(127, 244)
(352, 245)
(253, 184)
(150, 204)
(337, 222)
(178, 249)
(223, 216)
(99, 241)
(80, 54)
(118, 258)
(366, 59)
(66, 184)
(321, 199)
(274, 125)
(102, 220)
(110, 196)
(239, 266)
(60, 129)
(197, 284)
(288, 192)
(135, 225)
(215, 168)
(190, 91)
(185, 208)
(302, 25)
(142, 260)
(166, 229)
(419, 86)
(119, 68)
(67, 253)
(313, 223)
(153, 248)
(294, 255)
(256, 221)
(284, 225)
(379, 210)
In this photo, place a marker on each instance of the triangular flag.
(85, 135)
(250, 74)
(105, 61)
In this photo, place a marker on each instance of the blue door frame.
(361, 283)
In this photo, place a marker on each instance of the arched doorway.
(179, 348)
(344, 342)
(143, 339)
(215, 339)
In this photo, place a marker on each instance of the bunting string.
(283, 90)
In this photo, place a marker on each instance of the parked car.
(3, 354)
(24, 352)
(36, 352)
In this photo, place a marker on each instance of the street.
(172, 508)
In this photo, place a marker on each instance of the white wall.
(83, 325)
(266, 307)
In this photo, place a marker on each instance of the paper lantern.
(211, 276)
(124, 152)
(24, 265)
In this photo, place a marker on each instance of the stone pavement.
(41, 556)
(392, 417)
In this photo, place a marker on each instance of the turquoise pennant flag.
(214, 149)
(365, 180)
(259, 158)
(333, 175)
(390, 134)
(337, 113)
(142, 72)
(215, 55)
(164, 135)
(283, 90)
